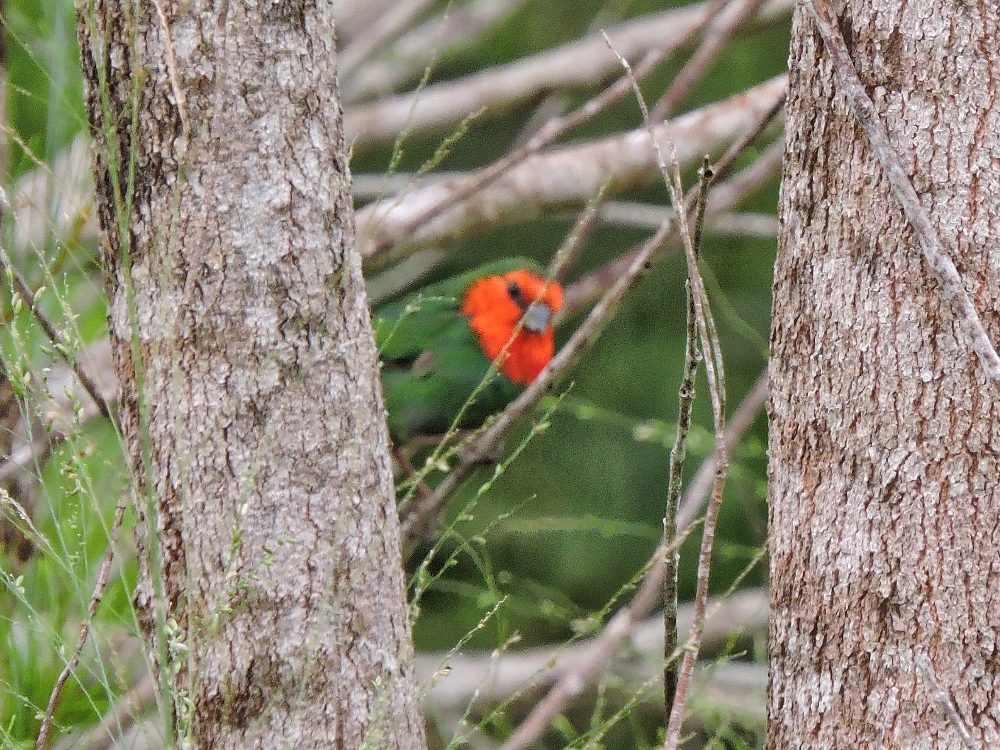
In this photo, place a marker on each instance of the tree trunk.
(884, 430)
(271, 588)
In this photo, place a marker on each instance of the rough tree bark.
(251, 410)
(884, 431)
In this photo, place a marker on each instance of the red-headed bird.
(437, 345)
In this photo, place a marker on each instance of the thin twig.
(700, 600)
(753, 402)
(685, 79)
(95, 601)
(408, 469)
(699, 488)
(23, 520)
(711, 348)
(716, 384)
(577, 238)
(675, 483)
(674, 186)
(180, 100)
(25, 292)
(933, 249)
(944, 700)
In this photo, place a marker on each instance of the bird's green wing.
(432, 361)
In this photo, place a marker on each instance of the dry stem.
(716, 384)
(944, 700)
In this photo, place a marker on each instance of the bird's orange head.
(495, 305)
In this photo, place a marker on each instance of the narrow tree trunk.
(884, 431)
(251, 409)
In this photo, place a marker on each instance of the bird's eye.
(514, 290)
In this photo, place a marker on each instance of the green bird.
(437, 345)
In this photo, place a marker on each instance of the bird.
(437, 344)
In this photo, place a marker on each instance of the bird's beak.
(538, 317)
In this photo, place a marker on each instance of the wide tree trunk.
(270, 574)
(885, 500)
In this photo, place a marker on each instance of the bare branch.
(580, 64)
(631, 215)
(756, 226)
(512, 672)
(933, 248)
(451, 30)
(393, 23)
(561, 178)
